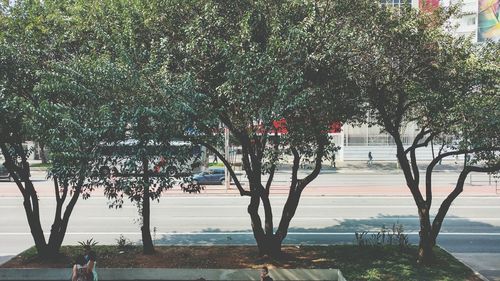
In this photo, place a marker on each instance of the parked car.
(210, 176)
(4, 174)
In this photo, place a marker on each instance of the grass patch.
(356, 263)
(215, 165)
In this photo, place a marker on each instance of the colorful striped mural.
(489, 20)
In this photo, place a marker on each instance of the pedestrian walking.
(370, 158)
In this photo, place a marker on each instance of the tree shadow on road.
(339, 233)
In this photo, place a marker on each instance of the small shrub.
(123, 243)
(393, 236)
(90, 242)
(361, 238)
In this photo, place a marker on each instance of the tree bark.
(258, 232)
(30, 197)
(289, 210)
(425, 246)
(147, 241)
(21, 174)
(411, 173)
(60, 224)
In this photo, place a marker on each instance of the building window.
(395, 3)
(470, 20)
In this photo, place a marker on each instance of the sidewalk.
(356, 167)
(378, 167)
(175, 274)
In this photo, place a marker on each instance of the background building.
(479, 20)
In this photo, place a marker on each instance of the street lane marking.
(217, 217)
(329, 206)
(251, 233)
(273, 196)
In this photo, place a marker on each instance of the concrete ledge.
(174, 274)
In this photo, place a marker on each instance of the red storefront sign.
(428, 5)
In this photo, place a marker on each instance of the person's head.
(86, 249)
(264, 272)
(80, 260)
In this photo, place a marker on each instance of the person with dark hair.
(84, 267)
(90, 259)
(264, 274)
(80, 272)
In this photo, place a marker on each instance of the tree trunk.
(147, 241)
(43, 155)
(446, 204)
(258, 232)
(60, 225)
(426, 242)
(55, 233)
(30, 198)
(31, 209)
(268, 226)
(36, 230)
(271, 247)
(289, 210)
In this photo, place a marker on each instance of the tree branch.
(273, 167)
(445, 206)
(295, 168)
(407, 171)
(317, 167)
(12, 169)
(414, 167)
(420, 135)
(270, 179)
(462, 151)
(242, 191)
(56, 189)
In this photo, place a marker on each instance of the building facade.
(477, 17)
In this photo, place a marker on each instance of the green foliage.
(253, 63)
(123, 243)
(89, 242)
(85, 76)
(412, 69)
(102, 95)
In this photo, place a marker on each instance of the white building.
(467, 24)
(357, 142)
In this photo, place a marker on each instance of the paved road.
(347, 183)
(353, 177)
(471, 231)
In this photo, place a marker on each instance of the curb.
(466, 264)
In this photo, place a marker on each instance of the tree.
(129, 75)
(73, 121)
(255, 66)
(33, 34)
(411, 70)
